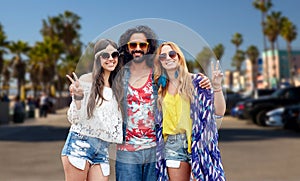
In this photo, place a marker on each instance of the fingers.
(70, 78)
(75, 76)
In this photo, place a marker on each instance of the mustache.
(137, 51)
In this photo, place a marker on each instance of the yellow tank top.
(176, 117)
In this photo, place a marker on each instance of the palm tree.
(289, 34)
(43, 58)
(237, 40)
(64, 27)
(219, 51)
(3, 48)
(237, 62)
(203, 58)
(19, 48)
(264, 6)
(272, 30)
(253, 54)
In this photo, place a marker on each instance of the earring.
(176, 73)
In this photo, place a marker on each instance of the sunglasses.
(163, 56)
(133, 45)
(106, 55)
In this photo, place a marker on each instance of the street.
(31, 151)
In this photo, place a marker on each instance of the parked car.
(256, 109)
(231, 99)
(237, 110)
(274, 117)
(290, 117)
(286, 117)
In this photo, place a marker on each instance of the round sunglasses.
(142, 45)
(106, 55)
(172, 54)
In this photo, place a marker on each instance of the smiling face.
(109, 58)
(168, 58)
(138, 46)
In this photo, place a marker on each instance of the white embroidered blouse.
(106, 122)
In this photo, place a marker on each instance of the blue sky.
(214, 20)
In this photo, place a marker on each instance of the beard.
(138, 59)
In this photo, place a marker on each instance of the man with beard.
(136, 156)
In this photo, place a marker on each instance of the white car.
(274, 117)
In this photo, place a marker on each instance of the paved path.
(31, 151)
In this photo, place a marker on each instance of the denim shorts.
(176, 150)
(91, 149)
(136, 165)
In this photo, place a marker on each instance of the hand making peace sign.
(217, 75)
(75, 88)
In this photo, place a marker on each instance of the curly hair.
(125, 55)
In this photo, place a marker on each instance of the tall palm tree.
(203, 59)
(219, 51)
(264, 6)
(272, 30)
(43, 58)
(253, 54)
(289, 34)
(237, 62)
(3, 48)
(237, 40)
(64, 27)
(19, 48)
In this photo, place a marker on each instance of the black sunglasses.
(133, 45)
(106, 55)
(163, 56)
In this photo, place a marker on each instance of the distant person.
(19, 111)
(44, 104)
(95, 117)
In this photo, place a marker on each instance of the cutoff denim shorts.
(86, 148)
(176, 150)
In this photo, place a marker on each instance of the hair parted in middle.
(96, 96)
(185, 87)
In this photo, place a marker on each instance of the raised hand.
(217, 75)
(205, 82)
(75, 89)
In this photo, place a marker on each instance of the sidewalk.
(30, 151)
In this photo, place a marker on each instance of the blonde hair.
(185, 88)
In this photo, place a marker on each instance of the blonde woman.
(186, 126)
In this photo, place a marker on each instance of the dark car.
(237, 110)
(290, 117)
(256, 109)
(231, 99)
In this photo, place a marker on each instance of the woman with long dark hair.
(95, 118)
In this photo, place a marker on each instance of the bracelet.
(78, 98)
(218, 90)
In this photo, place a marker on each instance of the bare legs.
(90, 173)
(180, 174)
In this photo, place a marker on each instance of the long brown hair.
(185, 88)
(96, 96)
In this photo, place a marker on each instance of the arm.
(219, 99)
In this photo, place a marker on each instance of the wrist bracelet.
(78, 98)
(218, 90)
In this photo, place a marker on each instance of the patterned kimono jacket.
(206, 158)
